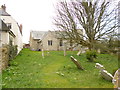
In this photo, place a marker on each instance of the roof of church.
(38, 34)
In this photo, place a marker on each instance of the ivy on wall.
(12, 50)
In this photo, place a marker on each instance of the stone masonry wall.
(4, 58)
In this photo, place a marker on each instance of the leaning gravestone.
(106, 75)
(116, 79)
(103, 72)
(76, 63)
(79, 52)
(99, 66)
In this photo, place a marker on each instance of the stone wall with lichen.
(4, 57)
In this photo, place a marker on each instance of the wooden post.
(76, 63)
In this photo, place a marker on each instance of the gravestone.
(106, 75)
(99, 66)
(79, 52)
(65, 46)
(42, 53)
(116, 79)
(76, 63)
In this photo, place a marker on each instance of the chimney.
(3, 7)
(20, 28)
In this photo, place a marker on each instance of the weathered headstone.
(64, 52)
(103, 72)
(106, 75)
(99, 66)
(79, 52)
(76, 63)
(116, 79)
(42, 53)
(64, 48)
(98, 51)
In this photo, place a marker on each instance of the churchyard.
(30, 70)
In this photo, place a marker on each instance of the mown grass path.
(30, 70)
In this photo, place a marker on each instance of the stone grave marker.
(104, 73)
(42, 53)
(79, 52)
(76, 63)
(116, 79)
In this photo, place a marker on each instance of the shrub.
(91, 55)
(12, 51)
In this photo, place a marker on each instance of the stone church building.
(49, 40)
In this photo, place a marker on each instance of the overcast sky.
(32, 14)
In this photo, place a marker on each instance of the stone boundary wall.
(4, 58)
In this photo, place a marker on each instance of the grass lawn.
(30, 70)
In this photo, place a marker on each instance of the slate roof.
(38, 34)
(61, 34)
(3, 12)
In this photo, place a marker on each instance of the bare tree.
(95, 19)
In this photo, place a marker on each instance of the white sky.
(32, 14)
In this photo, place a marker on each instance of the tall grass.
(30, 70)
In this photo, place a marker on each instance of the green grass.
(30, 70)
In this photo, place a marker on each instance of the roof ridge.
(38, 34)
